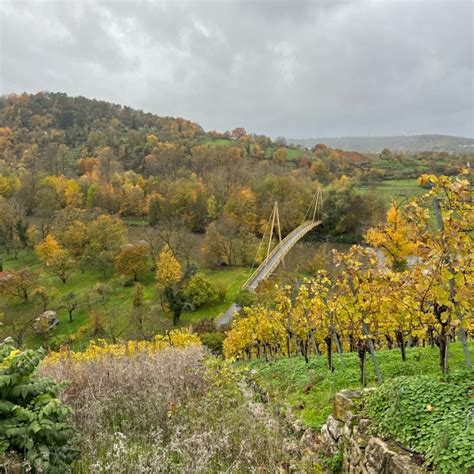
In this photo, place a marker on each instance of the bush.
(245, 298)
(431, 417)
(33, 422)
(221, 289)
(204, 325)
(200, 290)
(214, 341)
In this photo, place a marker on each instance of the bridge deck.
(268, 266)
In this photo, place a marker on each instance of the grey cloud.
(293, 68)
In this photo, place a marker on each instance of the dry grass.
(176, 411)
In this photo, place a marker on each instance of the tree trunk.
(372, 353)
(352, 346)
(443, 350)
(339, 348)
(315, 345)
(401, 343)
(328, 341)
(431, 337)
(362, 350)
(461, 332)
(305, 344)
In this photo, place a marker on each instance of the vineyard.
(413, 287)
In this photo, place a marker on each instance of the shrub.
(34, 424)
(204, 325)
(200, 290)
(100, 348)
(221, 289)
(214, 341)
(245, 298)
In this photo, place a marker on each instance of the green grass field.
(400, 190)
(309, 389)
(118, 303)
(219, 142)
(294, 154)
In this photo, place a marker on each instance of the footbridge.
(277, 255)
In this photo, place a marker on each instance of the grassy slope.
(120, 302)
(309, 388)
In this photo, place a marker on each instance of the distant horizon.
(382, 136)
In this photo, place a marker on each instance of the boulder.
(46, 321)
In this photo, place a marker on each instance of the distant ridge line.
(410, 143)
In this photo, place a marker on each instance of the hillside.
(411, 143)
(76, 117)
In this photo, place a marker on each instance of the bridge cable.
(313, 199)
(261, 241)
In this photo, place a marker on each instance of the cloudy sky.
(293, 68)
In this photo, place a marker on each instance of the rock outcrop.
(363, 453)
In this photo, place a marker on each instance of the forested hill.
(73, 118)
(412, 144)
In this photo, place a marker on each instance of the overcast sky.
(292, 68)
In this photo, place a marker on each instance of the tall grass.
(176, 411)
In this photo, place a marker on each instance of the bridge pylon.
(275, 219)
(314, 212)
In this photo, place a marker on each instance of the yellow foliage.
(168, 271)
(102, 349)
(374, 300)
(47, 248)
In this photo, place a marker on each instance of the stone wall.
(363, 453)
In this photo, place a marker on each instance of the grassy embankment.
(308, 389)
(119, 302)
(427, 413)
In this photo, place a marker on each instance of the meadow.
(400, 190)
(116, 302)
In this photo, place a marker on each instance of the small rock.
(330, 446)
(334, 427)
(308, 440)
(363, 425)
(344, 402)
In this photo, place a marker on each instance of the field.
(118, 300)
(398, 189)
(219, 142)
